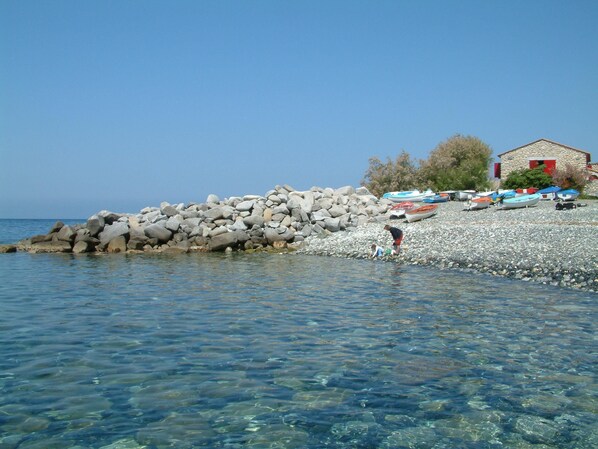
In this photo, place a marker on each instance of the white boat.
(567, 195)
(464, 195)
(407, 195)
(482, 202)
(398, 210)
(421, 213)
(520, 201)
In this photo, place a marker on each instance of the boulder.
(345, 191)
(109, 217)
(135, 244)
(174, 223)
(222, 241)
(245, 205)
(40, 238)
(214, 213)
(169, 211)
(336, 211)
(253, 220)
(56, 227)
(267, 215)
(158, 231)
(212, 198)
(8, 249)
(66, 233)
(277, 235)
(112, 231)
(332, 224)
(54, 246)
(95, 225)
(82, 246)
(117, 245)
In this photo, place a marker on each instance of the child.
(377, 251)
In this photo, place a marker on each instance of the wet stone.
(536, 429)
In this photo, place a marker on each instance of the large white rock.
(112, 231)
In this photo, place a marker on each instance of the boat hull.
(478, 203)
(421, 213)
(567, 195)
(520, 202)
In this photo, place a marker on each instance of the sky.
(119, 105)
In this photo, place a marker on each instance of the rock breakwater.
(281, 217)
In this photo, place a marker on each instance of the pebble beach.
(536, 244)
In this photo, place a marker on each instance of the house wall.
(518, 159)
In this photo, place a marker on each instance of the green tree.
(458, 163)
(570, 177)
(528, 177)
(400, 174)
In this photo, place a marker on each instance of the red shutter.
(550, 166)
(497, 169)
(533, 164)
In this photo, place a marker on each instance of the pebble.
(538, 244)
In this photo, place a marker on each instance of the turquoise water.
(288, 351)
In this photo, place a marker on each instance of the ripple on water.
(290, 352)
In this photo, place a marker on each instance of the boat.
(481, 202)
(398, 210)
(436, 198)
(452, 194)
(421, 213)
(520, 201)
(407, 195)
(464, 195)
(502, 195)
(567, 195)
(549, 193)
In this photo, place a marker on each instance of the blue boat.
(408, 195)
(520, 201)
(496, 197)
(436, 199)
(549, 193)
(567, 195)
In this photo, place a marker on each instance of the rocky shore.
(539, 244)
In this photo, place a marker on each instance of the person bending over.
(397, 237)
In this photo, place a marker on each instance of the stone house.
(543, 151)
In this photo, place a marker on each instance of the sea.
(286, 351)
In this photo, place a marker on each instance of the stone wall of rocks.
(281, 217)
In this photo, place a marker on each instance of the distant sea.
(14, 229)
(286, 351)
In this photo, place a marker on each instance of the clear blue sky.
(123, 104)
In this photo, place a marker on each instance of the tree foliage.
(458, 163)
(528, 177)
(570, 177)
(400, 174)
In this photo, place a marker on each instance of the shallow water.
(288, 351)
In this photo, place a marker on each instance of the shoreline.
(538, 244)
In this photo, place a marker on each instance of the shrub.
(528, 177)
(400, 174)
(570, 177)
